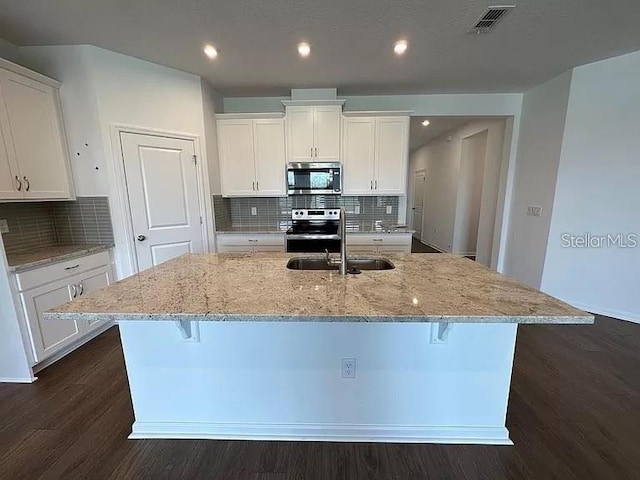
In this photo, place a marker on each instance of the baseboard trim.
(322, 432)
(18, 379)
(619, 314)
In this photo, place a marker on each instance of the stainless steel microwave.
(321, 178)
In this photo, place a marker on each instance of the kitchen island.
(239, 346)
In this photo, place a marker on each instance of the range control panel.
(318, 214)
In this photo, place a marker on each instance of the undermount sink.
(315, 263)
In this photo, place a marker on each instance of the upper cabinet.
(375, 154)
(313, 132)
(34, 161)
(252, 155)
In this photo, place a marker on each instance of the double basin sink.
(353, 264)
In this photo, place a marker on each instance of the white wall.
(598, 190)
(14, 365)
(541, 132)
(441, 160)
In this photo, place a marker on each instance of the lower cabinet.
(379, 244)
(250, 243)
(47, 337)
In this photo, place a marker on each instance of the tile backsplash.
(363, 212)
(44, 224)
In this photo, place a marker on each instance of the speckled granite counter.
(350, 229)
(19, 262)
(422, 288)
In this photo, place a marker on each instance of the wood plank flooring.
(574, 414)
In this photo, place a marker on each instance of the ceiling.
(351, 41)
(420, 135)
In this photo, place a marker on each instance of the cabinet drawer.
(60, 270)
(275, 239)
(234, 248)
(380, 239)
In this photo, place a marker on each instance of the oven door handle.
(311, 236)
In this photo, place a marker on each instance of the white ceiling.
(420, 135)
(351, 40)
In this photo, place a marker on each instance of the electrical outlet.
(534, 211)
(348, 368)
(4, 226)
(356, 209)
(389, 209)
(254, 210)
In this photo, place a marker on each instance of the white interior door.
(162, 184)
(419, 181)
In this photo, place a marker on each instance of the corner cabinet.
(375, 154)
(252, 155)
(34, 160)
(44, 288)
(313, 131)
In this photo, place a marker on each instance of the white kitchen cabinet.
(252, 156)
(250, 243)
(379, 244)
(375, 155)
(33, 152)
(44, 288)
(313, 133)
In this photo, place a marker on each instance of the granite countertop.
(259, 287)
(19, 262)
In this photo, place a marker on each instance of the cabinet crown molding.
(312, 103)
(378, 113)
(25, 72)
(248, 116)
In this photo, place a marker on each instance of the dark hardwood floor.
(574, 414)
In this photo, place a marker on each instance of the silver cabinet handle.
(316, 152)
(378, 240)
(72, 267)
(81, 287)
(253, 186)
(376, 184)
(311, 152)
(258, 186)
(74, 291)
(253, 241)
(19, 183)
(28, 185)
(371, 185)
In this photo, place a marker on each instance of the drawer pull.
(378, 240)
(19, 183)
(74, 291)
(73, 267)
(81, 287)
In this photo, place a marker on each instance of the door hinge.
(195, 160)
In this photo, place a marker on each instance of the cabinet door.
(35, 124)
(270, 161)
(237, 169)
(392, 150)
(90, 282)
(300, 134)
(327, 133)
(10, 178)
(358, 152)
(49, 336)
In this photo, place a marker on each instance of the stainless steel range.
(314, 230)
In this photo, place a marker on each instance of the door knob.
(141, 238)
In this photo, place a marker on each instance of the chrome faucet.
(343, 246)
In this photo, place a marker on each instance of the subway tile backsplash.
(45, 224)
(363, 213)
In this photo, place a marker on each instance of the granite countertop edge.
(220, 317)
(79, 252)
(255, 231)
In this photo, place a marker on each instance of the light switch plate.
(534, 211)
(356, 209)
(4, 226)
(254, 210)
(389, 209)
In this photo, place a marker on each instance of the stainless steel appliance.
(314, 178)
(314, 230)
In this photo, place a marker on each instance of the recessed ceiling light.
(210, 51)
(304, 49)
(400, 47)
(425, 123)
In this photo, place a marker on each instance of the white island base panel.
(414, 382)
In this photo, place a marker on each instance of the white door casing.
(419, 182)
(162, 185)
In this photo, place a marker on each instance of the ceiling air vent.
(490, 18)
